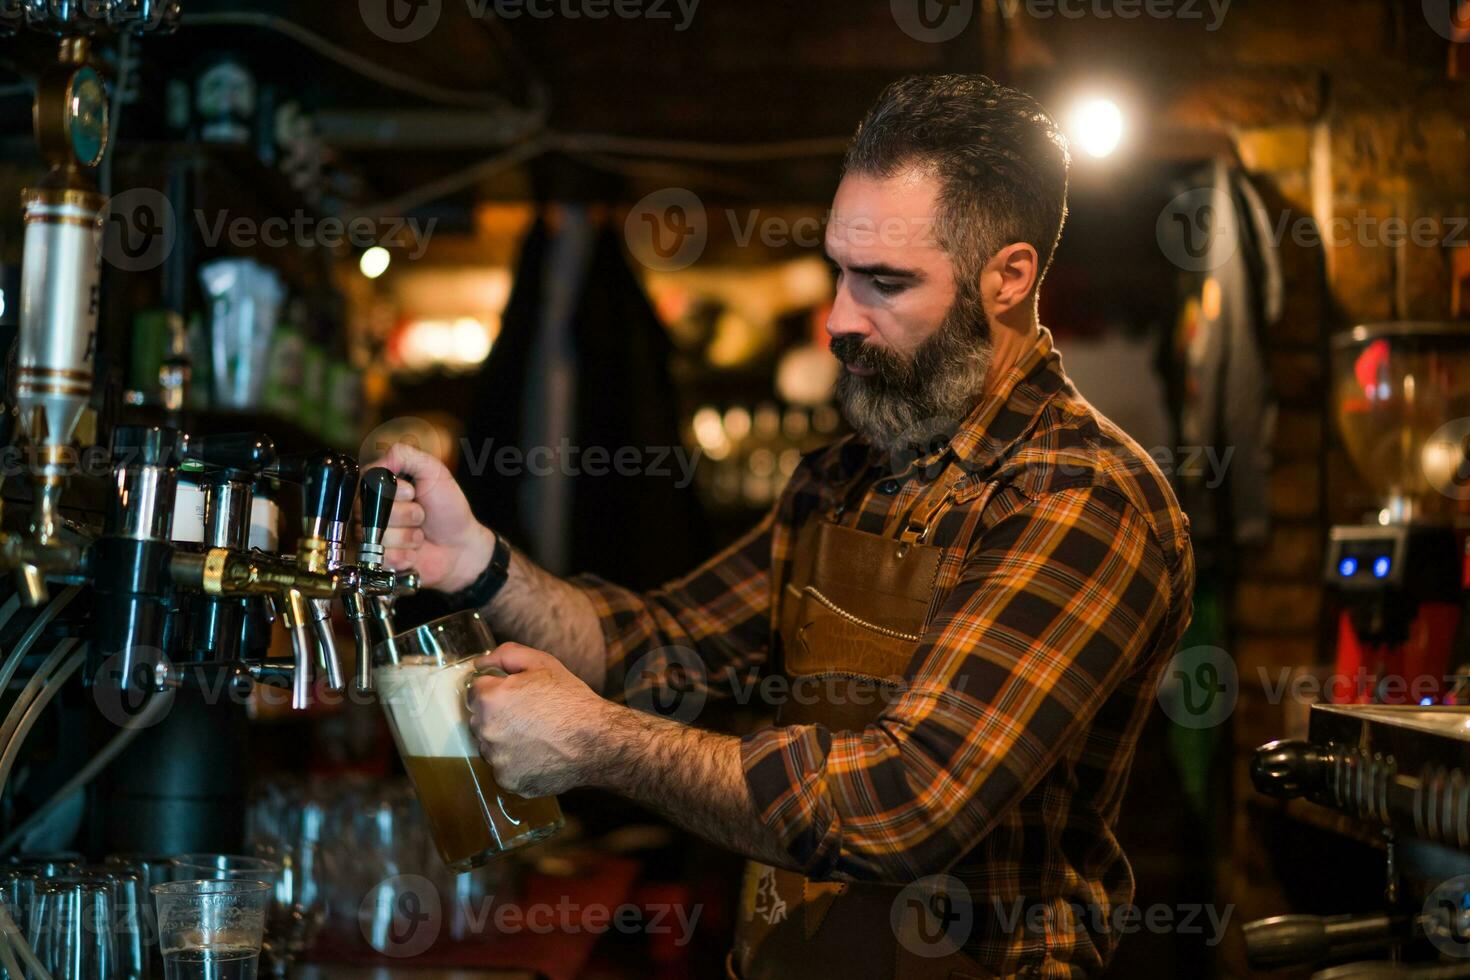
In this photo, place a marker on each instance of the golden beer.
(423, 680)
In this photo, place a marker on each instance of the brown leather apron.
(849, 620)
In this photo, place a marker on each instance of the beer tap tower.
(169, 619)
(180, 786)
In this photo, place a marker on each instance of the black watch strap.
(478, 593)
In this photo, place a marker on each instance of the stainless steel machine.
(1402, 771)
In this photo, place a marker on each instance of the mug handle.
(483, 672)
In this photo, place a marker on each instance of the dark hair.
(1001, 160)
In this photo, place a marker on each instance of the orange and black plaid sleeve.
(1062, 599)
(691, 633)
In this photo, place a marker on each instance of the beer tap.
(331, 480)
(368, 589)
(221, 572)
(232, 463)
(130, 562)
(228, 573)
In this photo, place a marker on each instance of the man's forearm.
(540, 610)
(691, 776)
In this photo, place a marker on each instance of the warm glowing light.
(737, 423)
(459, 344)
(1097, 127)
(709, 429)
(375, 261)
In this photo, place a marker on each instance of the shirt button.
(889, 487)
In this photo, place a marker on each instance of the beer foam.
(426, 703)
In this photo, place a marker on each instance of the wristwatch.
(478, 593)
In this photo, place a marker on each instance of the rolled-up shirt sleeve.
(1061, 601)
(700, 634)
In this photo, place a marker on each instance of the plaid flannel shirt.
(1064, 587)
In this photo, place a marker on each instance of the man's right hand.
(431, 529)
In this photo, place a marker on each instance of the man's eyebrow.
(881, 269)
(876, 269)
(887, 271)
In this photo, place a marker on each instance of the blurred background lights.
(1096, 125)
(375, 261)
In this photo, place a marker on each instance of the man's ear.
(1009, 278)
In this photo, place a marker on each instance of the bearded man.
(968, 603)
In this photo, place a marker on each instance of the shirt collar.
(1004, 415)
(1008, 412)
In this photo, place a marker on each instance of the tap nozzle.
(298, 615)
(328, 659)
(31, 561)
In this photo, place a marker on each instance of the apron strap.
(926, 510)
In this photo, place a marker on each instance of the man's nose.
(846, 317)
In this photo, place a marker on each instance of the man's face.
(895, 284)
(914, 348)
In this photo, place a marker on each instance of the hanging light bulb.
(1097, 126)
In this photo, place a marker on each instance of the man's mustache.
(851, 349)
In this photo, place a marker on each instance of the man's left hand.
(537, 725)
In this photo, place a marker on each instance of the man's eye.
(888, 287)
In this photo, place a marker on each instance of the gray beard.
(913, 405)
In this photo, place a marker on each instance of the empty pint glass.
(211, 929)
(423, 679)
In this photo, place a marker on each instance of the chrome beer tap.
(232, 463)
(368, 589)
(227, 572)
(331, 481)
(130, 562)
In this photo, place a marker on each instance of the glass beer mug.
(423, 678)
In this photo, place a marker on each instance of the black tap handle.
(342, 510)
(323, 478)
(1288, 769)
(246, 452)
(379, 486)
